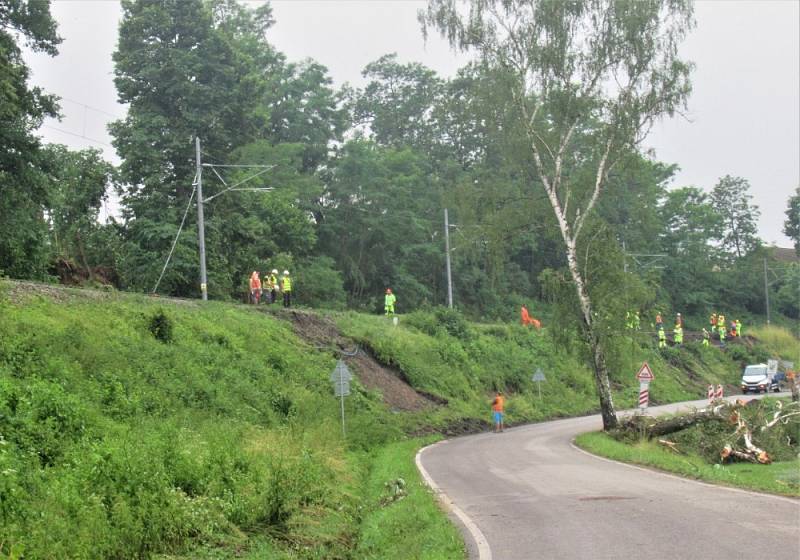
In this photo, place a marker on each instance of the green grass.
(778, 342)
(777, 478)
(412, 527)
(137, 428)
(226, 437)
(464, 363)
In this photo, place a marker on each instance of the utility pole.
(624, 258)
(201, 227)
(447, 255)
(766, 289)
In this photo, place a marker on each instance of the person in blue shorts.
(497, 411)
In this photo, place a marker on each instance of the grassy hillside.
(134, 428)
(462, 363)
(118, 445)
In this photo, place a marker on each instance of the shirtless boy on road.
(497, 412)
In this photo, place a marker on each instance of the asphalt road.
(528, 493)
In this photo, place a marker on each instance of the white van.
(756, 378)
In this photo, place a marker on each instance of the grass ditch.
(781, 478)
(403, 521)
(703, 445)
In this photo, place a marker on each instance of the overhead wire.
(180, 228)
(95, 140)
(81, 103)
(232, 187)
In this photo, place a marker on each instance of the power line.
(95, 140)
(175, 241)
(82, 104)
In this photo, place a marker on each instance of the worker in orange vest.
(255, 287)
(526, 318)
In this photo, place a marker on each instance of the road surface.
(528, 493)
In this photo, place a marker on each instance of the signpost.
(340, 377)
(772, 367)
(645, 376)
(538, 376)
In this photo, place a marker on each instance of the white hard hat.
(285, 272)
(274, 271)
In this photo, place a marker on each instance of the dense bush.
(320, 284)
(160, 326)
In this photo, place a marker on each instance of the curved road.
(532, 494)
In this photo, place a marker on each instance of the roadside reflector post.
(340, 377)
(719, 392)
(644, 395)
(711, 393)
(645, 376)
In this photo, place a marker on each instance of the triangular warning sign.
(645, 373)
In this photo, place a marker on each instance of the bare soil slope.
(323, 334)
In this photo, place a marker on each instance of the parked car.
(756, 378)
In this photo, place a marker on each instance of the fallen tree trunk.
(678, 423)
(742, 418)
(728, 453)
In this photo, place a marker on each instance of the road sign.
(341, 389)
(538, 376)
(645, 373)
(787, 365)
(341, 373)
(772, 367)
(340, 377)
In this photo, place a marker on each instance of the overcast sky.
(744, 113)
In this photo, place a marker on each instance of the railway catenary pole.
(201, 231)
(447, 258)
(766, 289)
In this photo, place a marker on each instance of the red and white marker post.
(645, 376)
(711, 394)
(719, 392)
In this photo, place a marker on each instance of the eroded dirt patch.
(323, 334)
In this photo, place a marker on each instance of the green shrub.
(161, 327)
(423, 321)
(320, 284)
(40, 418)
(453, 323)
(743, 355)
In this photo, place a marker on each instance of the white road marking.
(484, 552)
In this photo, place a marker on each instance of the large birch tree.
(587, 79)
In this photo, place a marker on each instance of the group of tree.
(534, 147)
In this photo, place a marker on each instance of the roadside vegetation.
(754, 446)
(132, 427)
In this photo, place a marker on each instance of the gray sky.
(744, 113)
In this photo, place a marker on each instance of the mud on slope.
(323, 334)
